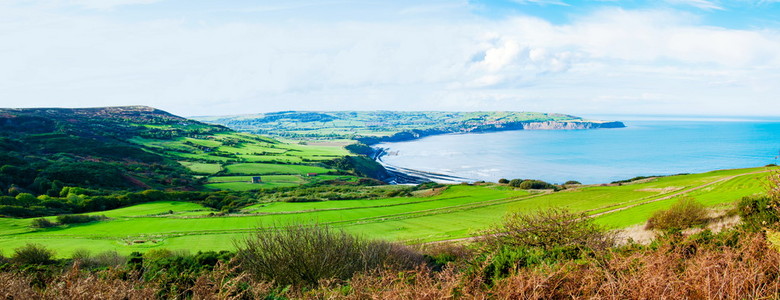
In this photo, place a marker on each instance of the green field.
(459, 211)
(233, 153)
(268, 169)
(243, 183)
(202, 168)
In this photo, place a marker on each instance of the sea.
(647, 146)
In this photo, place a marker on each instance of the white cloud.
(609, 61)
(541, 2)
(702, 4)
(89, 4)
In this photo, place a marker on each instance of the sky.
(208, 57)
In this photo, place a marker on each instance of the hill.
(43, 150)
(370, 127)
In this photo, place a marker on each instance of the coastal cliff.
(491, 127)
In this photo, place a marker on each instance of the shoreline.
(401, 175)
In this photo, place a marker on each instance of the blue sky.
(199, 57)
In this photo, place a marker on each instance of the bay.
(645, 147)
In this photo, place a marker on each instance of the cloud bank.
(439, 56)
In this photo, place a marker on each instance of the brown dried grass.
(675, 268)
(73, 285)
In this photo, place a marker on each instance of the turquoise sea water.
(644, 147)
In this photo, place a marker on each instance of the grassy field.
(459, 211)
(275, 169)
(243, 183)
(202, 168)
(236, 153)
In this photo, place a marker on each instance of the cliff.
(545, 125)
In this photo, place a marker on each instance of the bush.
(536, 185)
(101, 260)
(42, 223)
(303, 255)
(548, 229)
(515, 182)
(79, 219)
(758, 212)
(503, 181)
(572, 182)
(762, 211)
(546, 236)
(33, 254)
(441, 254)
(684, 213)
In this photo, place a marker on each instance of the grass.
(202, 168)
(243, 183)
(458, 212)
(248, 154)
(268, 169)
(155, 208)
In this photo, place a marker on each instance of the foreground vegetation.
(551, 253)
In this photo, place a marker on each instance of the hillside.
(43, 150)
(371, 127)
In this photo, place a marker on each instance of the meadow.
(223, 157)
(459, 211)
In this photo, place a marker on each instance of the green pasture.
(202, 168)
(263, 169)
(243, 153)
(244, 183)
(459, 211)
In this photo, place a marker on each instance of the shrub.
(684, 213)
(758, 212)
(42, 223)
(78, 219)
(515, 182)
(33, 254)
(303, 255)
(762, 211)
(572, 182)
(773, 186)
(81, 255)
(503, 181)
(441, 254)
(536, 185)
(548, 229)
(101, 260)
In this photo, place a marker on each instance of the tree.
(515, 182)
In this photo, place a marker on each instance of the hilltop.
(45, 149)
(371, 127)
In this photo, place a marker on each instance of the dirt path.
(683, 192)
